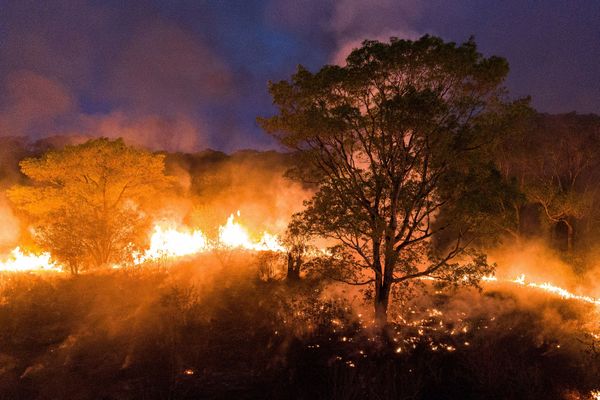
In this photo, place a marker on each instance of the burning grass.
(211, 328)
(167, 242)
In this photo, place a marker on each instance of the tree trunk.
(570, 235)
(382, 300)
(293, 267)
(74, 268)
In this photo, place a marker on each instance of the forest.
(418, 235)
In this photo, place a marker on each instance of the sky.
(186, 75)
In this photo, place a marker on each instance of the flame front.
(545, 286)
(173, 243)
(166, 243)
(18, 261)
(234, 235)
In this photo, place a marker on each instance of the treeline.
(551, 165)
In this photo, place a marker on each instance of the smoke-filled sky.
(192, 74)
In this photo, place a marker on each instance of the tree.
(296, 241)
(90, 203)
(398, 141)
(555, 165)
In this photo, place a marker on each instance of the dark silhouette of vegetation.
(206, 330)
(279, 326)
(554, 162)
(399, 134)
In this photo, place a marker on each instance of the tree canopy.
(399, 142)
(90, 203)
(556, 167)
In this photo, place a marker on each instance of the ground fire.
(169, 244)
(389, 221)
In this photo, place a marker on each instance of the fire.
(173, 243)
(18, 261)
(167, 242)
(234, 235)
(547, 287)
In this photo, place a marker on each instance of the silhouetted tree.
(296, 241)
(392, 138)
(556, 165)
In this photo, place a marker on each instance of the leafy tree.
(398, 141)
(556, 166)
(90, 203)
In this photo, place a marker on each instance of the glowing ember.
(20, 261)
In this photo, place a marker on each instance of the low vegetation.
(193, 332)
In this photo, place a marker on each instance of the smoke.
(343, 25)
(353, 21)
(250, 182)
(33, 103)
(177, 132)
(534, 258)
(162, 68)
(84, 68)
(540, 263)
(9, 234)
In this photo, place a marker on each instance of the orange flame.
(547, 287)
(166, 242)
(174, 243)
(18, 261)
(234, 235)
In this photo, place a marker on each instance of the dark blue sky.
(187, 75)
